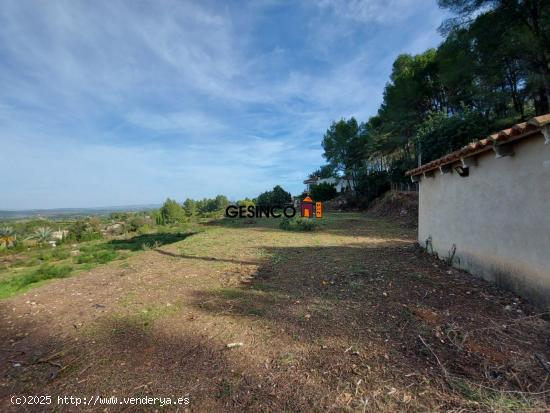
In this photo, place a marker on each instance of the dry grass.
(349, 317)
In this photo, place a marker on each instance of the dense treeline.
(492, 70)
(172, 212)
(276, 197)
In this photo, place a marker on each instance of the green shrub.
(11, 285)
(53, 271)
(45, 256)
(60, 254)
(146, 229)
(138, 222)
(285, 224)
(323, 192)
(18, 246)
(189, 207)
(297, 224)
(276, 197)
(103, 257)
(246, 202)
(96, 257)
(171, 212)
(369, 186)
(304, 224)
(84, 230)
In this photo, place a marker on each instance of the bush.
(137, 222)
(323, 192)
(214, 207)
(53, 271)
(45, 272)
(84, 230)
(246, 202)
(146, 229)
(18, 246)
(297, 224)
(189, 207)
(171, 212)
(277, 197)
(97, 257)
(60, 254)
(370, 186)
(440, 134)
(45, 256)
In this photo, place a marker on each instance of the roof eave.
(529, 128)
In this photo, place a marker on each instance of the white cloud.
(379, 11)
(127, 102)
(192, 122)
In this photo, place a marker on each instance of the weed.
(224, 390)
(492, 399)
(429, 245)
(17, 283)
(147, 315)
(230, 293)
(358, 268)
(278, 259)
(356, 285)
(297, 224)
(97, 257)
(127, 300)
(45, 256)
(60, 254)
(285, 359)
(451, 256)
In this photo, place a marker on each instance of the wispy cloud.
(124, 102)
(367, 11)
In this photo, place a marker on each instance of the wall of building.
(498, 218)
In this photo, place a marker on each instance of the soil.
(350, 317)
(399, 206)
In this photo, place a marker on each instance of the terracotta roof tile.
(539, 121)
(519, 128)
(518, 131)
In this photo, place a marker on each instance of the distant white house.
(59, 235)
(342, 184)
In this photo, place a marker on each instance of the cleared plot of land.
(350, 317)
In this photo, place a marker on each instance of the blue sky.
(129, 102)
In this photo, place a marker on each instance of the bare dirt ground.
(350, 317)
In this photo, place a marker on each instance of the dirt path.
(351, 317)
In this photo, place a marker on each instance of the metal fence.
(404, 187)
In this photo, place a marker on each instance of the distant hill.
(73, 212)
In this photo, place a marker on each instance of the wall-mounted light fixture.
(546, 133)
(462, 170)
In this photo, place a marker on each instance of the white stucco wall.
(498, 217)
